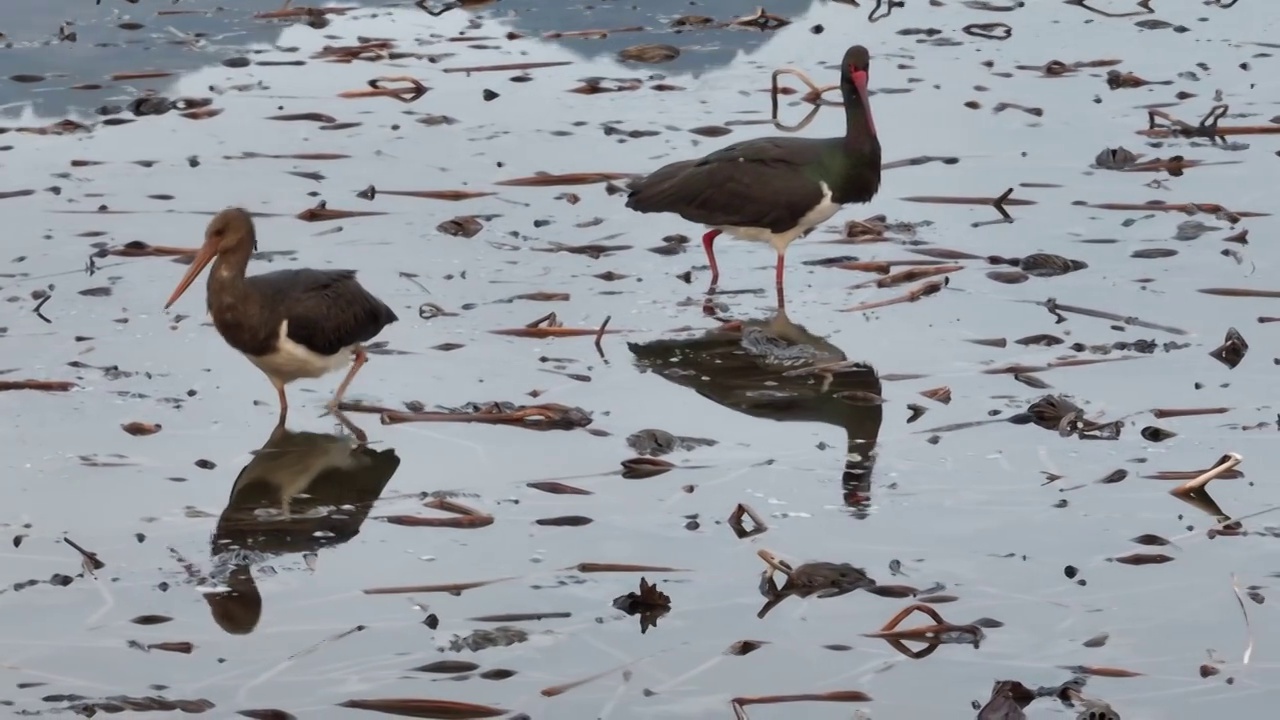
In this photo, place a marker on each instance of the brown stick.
(510, 66)
(924, 289)
(1162, 413)
(405, 94)
(42, 385)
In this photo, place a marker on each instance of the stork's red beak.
(860, 82)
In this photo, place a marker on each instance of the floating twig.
(929, 269)
(464, 517)
(813, 96)
(988, 31)
(934, 634)
(1004, 200)
(556, 690)
(408, 93)
(761, 20)
(287, 12)
(1226, 463)
(1188, 208)
(740, 529)
(740, 703)
(924, 289)
(1240, 292)
(138, 248)
(1057, 68)
(550, 416)
(592, 567)
(88, 558)
(1207, 127)
(373, 50)
(1056, 308)
(371, 192)
(804, 122)
(40, 306)
(549, 326)
(888, 8)
(590, 34)
(451, 588)
(920, 160)
(1144, 4)
(1162, 413)
(508, 67)
(546, 179)
(437, 12)
(600, 335)
(322, 213)
(41, 385)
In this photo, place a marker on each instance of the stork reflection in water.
(300, 493)
(808, 380)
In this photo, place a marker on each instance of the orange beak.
(207, 253)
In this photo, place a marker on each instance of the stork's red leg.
(360, 359)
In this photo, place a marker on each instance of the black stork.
(291, 324)
(774, 189)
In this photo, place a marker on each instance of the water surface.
(969, 509)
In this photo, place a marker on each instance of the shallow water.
(970, 511)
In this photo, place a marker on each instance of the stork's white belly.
(822, 212)
(292, 361)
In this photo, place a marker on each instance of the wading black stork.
(291, 324)
(774, 189)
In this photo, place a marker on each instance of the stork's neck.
(226, 278)
(860, 131)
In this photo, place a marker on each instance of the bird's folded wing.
(766, 192)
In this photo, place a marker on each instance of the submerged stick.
(450, 588)
(1053, 306)
(556, 690)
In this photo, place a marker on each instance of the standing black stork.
(291, 324)
(774, 189)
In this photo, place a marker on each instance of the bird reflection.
(301, 492)
(773, 368)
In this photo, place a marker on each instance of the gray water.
(970, 510)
